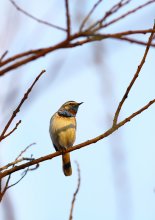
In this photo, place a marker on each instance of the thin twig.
(16, 126)
(35, 18)
(76, 191)
(15, 162)
(2, 192)
(26, 171)
(2, 136)
(134, 41)
(98, 24)
(3, 55)
(68, 20)
(126, 14)
(134, 78)
(79, 146)
(23, 151)
(89, 14)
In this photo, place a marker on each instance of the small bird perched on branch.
(63, 131)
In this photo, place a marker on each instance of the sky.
(117, 173)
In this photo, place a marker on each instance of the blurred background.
(118, 172)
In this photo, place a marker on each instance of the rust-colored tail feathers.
(66, 164)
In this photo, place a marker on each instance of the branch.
(89, 14)
(35, 18)
(76, 192)
(134, 77)
(3, 55)
(17, 160)
(79, 146)
(98, 25)
(16, 126)
(90, 37)
(2, 136)
(68, 18)
(134, 41)
(110, 12)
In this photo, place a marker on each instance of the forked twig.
(3, 134)
(17, 160)
(89, 14)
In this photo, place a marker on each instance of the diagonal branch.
(89, 14)
(128, 13)
(16, 126)
(76, 192)
(2, 136)
(134, 78)
(3, 55)
(99, 24)
(110, 12)
(79, 146)
(35, 18)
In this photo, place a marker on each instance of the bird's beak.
(80, 103)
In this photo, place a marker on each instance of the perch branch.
(79, 146)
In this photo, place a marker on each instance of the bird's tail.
(66, 164)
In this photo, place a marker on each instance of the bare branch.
(79, 146)
(76, 192)
(127, 14)
(3, 55)
(89, 14)
(68, 20)
(35, 18)
(110, 12)
(35, 54)
(2, 136)
(134, 78)
(16, 126)
(17, 160)
(134, 41)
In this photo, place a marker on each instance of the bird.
(63, 132)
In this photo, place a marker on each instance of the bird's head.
(69, 109)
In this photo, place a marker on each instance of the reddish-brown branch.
(35, 18)
(134, 78)
(35, 54)
(17, 160)
(134, 41)
(89, 14)
(16, 126)
(76, 191)
(98, 25)
(68, 20)
(79, 146)
(3, 134)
